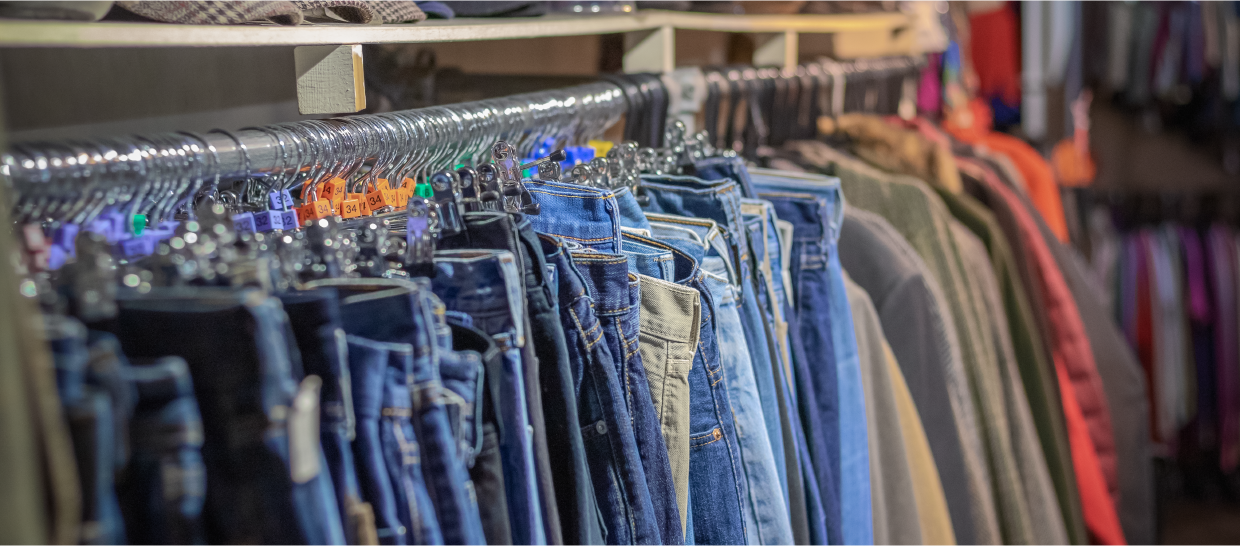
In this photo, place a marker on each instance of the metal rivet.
(600, 427)
(716, 434)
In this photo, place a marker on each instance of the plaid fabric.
(214, 12)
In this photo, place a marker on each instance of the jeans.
(162, 498)
(732, 168)
(857, 518)
(391, 336)
(648, 259)
(616, 296)
(88, 407)
(721, 201)
(244, 389)
(590, 217)
(567, 494)
(387, 449)
(486, 469)
(485, 285)
(625, 506)
(315, 319)
(452, 492)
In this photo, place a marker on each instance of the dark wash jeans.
(619, 479)
(163, 495)
(89, 410)
(568, 498)
(487, 470)
(817, 388)
(315, 318)
(237, 348)
(392, 339)
(583, 214)
(485, 285)
(718, 490)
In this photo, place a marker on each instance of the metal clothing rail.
(444, 132)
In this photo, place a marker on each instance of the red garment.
(995, 47)
(1145, 328)
(1084, 400)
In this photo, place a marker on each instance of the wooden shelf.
(115, 34)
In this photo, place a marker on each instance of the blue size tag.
(138, 246)
(289, 219)
(244, 222)
(268, 220)
(66, 235)
(281, 200)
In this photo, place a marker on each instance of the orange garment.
(1101, 519)
(995, 45)
(973, 127)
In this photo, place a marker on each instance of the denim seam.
(710, 435)
(570, 196)
(584, 240)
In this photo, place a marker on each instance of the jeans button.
(600, 427)
(716, 434)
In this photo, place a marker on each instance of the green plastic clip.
(139, 224)
(423, 190)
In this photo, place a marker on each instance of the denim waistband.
(631, 215)
(484, 284)
(607, 281)
(732, 168)
(386, 310)
(684, 265)
(648, 260)
(670, 311)
(589, 216)
(707, 235)
(315, 318)
(718, 200)
(827, 188)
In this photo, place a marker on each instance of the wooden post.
(330, 79)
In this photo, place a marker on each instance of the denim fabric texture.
(646, 259)
(162, 498)
(487, 471)
(631, 215)
(732, 168)
(718, 491)
(447, 479)
(581, 214)
(485, 285)
(854, 463)
(386, 442)
(315, 319)
(243, 388)
(541, 358)
(616, 296)
(720, 200)
(625, 507)
(89, 411)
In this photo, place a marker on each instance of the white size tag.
(303, 431)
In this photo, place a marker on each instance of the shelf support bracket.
(330, 79)
(781, 50)
(654, 53)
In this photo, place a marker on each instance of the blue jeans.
(569, 512)
(590, 217)
(617, 302)
(387, 450)
(814, 206)
(248, 381)
(732, 168)
(315, 319)
(486, 465)
(625, 505)
(89, 411)
(163, 496)
(485, 285)
(721, 201)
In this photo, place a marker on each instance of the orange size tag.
(382, 184)
(402, 197)
(374, 200)
(408, 183)
(361, 198)
(315, 210)
(351, 208)
(334, 188)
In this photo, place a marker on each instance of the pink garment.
(1226, 350)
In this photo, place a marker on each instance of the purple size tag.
(66, 235)
(415, 228)
(244, 222)
(138, 246)
(290, 219)
(281, 200)
(56, 257)
(267, 220)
